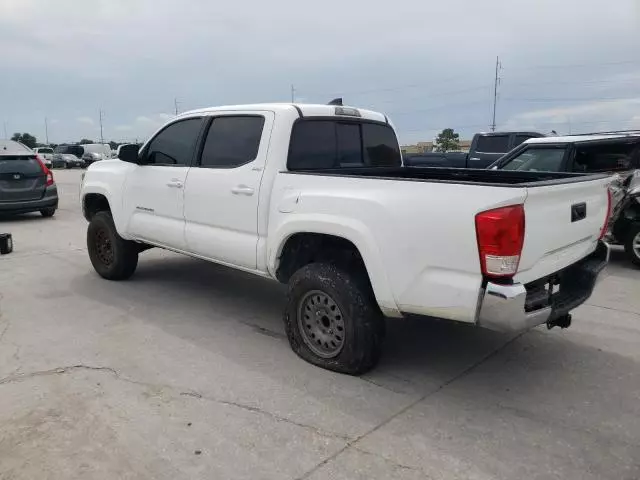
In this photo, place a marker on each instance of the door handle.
(242, 190)
(175, 183)
(475, 159)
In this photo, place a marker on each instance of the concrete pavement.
(184, 372)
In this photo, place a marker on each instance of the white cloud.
(587, 116)
(85, 120)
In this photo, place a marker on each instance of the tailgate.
(562, 225)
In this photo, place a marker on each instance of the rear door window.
(606, 158)
(232, 141)
(321, 144)
(493, 144)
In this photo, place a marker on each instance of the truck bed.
(496, 178)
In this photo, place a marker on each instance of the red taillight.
(605, 227)
(48, 173)
(500, 235)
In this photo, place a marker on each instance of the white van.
(94, 152)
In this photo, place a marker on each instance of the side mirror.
(129, 153)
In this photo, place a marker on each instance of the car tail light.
(607, 217)
(500, 235)
(48, 173)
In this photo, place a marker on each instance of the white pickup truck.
(316, 196)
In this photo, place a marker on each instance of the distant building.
(424, 147)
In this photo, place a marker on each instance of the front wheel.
(113, 257)
(632, 244)
(332, 319)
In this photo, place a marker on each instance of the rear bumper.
(50, 199)
(520, 307)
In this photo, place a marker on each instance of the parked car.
(68, 156)
(26, 183)
(485, 149)
(94, 152)
(617, 154)
(46, 154)
(316, 196)
(91, 157)
(71, 161)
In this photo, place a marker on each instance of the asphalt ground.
(184, 372)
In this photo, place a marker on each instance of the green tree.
(447, 140)
(85, 141)
(26, 139)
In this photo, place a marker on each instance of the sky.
(565, 65)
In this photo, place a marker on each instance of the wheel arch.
(299, 244)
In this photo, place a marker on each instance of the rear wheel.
(332, 320)
(48, 212)
(632, 244)
(113, 257)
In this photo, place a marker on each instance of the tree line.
(32, 142)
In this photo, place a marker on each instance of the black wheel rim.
(635, 245)
(321, 324)
(104, 247)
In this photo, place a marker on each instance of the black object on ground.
(6, 243)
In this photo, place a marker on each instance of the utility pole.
(293, 94)
(495, 94)
(5, 130)
(46, 130)
(175, 104)
(101, 136)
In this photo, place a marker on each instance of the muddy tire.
(632, 244)
(112, 257)
(332, 319)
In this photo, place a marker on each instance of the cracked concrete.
(184, 372)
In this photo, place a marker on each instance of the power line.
(560, 100)
(582, 65)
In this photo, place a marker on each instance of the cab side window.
(232, 141)
(175, 144)
(606, 158)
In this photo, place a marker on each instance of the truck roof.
(583, 138)
(306, 109)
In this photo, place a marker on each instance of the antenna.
(293, 94)
(175, 104)
(336, 101)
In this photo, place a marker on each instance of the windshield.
(45, 150)
(537, 160)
